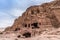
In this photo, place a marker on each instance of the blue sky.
(11, 9)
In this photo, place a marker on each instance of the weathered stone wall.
(37, 19)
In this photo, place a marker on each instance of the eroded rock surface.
(37, 20)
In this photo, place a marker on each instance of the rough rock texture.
(38, 20)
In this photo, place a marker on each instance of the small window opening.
(28, 25)
(27, 35)
(25, 25)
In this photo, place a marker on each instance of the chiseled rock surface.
(39, 22)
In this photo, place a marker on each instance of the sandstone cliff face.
(37, 19)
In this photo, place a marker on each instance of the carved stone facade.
(37, 19)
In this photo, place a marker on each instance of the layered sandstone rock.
(37, 19)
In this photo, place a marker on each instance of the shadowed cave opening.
(27, 35)
(19, 36)
(35, 25)
(27, 25)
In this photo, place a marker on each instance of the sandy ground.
(41, 37)
(44, 36)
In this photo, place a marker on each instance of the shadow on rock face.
(27, 35)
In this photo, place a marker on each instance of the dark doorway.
(35, 25)
(27, 34)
